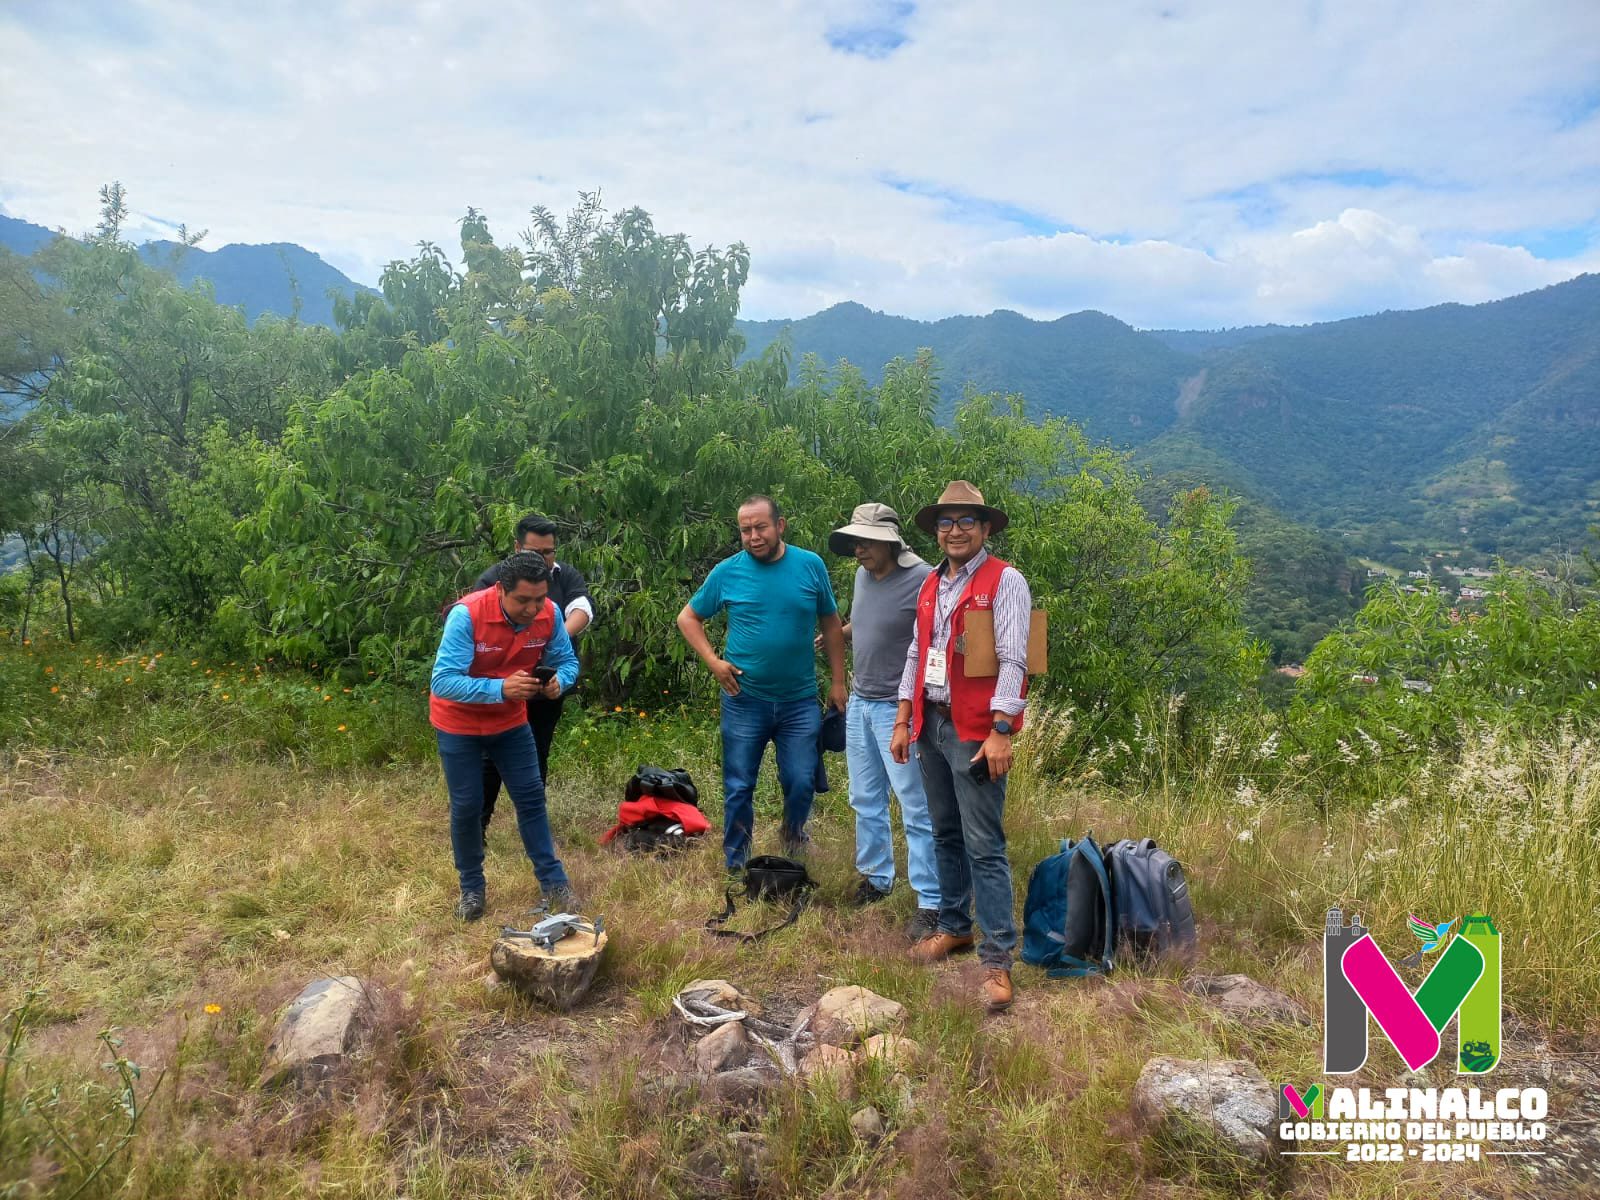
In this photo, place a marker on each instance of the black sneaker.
(924, 924)
(470, 906)
(868, 893)
(561, 900)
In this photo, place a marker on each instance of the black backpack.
(767, 877)
(1150, 898)
(658, 835)
(669, 784)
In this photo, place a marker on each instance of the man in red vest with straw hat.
(962, 727)
(502, 645)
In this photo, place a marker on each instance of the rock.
(705, 1162)
(559, 978)
(744, 1088)
(802, 1021)
(725, 1046)
(724, 995)
(848, 1014)
(831, 1063)
(752, 1155)
(319, 1031)
(1226, 1102)
(868, 1124)
(492, 983)
(901, 1053)
(1244, 999)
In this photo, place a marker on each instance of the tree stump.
(559, 978)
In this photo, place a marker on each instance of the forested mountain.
(1116, 382)
(271, 278)
(1400, 429)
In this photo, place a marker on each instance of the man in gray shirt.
(883, 611)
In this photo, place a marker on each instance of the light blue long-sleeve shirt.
(457, 648)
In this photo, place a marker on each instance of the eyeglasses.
(946, 524)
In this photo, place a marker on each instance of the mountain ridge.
(261, 278)
(1386, 427)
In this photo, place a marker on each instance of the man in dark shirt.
(536, 534)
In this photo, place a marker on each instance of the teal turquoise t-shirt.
(772, 618)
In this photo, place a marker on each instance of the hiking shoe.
(997, 994)
(470, 906)
(868, 893)
(938, 946)
(561, 899)
(924, 924)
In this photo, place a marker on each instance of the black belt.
(942, 709)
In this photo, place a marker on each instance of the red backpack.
(660, 811)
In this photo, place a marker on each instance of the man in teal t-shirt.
(776, 596)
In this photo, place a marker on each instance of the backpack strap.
(1078, 967)
(801, 901)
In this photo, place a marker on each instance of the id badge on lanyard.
(937, 674)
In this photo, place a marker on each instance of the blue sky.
(1174, 164)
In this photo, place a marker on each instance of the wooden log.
(559, 977)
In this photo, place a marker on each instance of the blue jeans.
(515, 756)
(969, 840)
(748, 725)
(869, 724)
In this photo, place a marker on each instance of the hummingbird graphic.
(1428, 934)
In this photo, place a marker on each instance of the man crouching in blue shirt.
(498, 644)
(776, 596)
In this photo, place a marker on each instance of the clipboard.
(981, 660)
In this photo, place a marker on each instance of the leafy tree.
(1414, 671)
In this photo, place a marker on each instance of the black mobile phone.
(543, 675)
(979, 770)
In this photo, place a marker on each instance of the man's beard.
(767, 555)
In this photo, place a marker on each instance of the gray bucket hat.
(872, 523)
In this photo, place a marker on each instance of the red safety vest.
(498, 652)
(970, 699)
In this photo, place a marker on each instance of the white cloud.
(1218, 165)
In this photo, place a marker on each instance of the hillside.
(260, 279)
(1402, 428)
(1113, 380)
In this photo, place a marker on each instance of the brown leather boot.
(997, 995)
(939, 945)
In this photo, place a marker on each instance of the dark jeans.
(517, 761)
(543, 717)
(969, 840)
(748, 725)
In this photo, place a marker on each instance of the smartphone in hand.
(543, 675)
(979, 770)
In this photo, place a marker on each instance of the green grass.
(150, 874)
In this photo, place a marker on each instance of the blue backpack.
(1085, 904)
(1069, 920)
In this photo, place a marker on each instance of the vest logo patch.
(486, 648)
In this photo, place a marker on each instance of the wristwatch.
(1003, 726)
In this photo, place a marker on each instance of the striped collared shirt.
(1013, 605)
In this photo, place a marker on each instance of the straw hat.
(960, 494)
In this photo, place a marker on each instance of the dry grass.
(141, 891)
